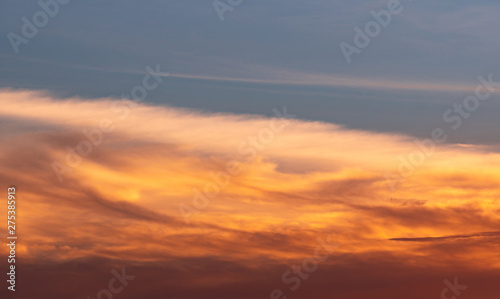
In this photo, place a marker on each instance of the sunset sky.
(244, 157)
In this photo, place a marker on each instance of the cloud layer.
(125, 204)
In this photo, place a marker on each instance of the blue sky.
(268, 54)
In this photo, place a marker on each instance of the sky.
(239, 154)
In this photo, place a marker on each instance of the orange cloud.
(120, 203)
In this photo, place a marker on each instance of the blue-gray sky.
(268, 54)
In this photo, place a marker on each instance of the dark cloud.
(344, 276)
(444, 238)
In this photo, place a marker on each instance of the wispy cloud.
(120, 205)
(444, 238)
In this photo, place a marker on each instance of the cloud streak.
(430, 239)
